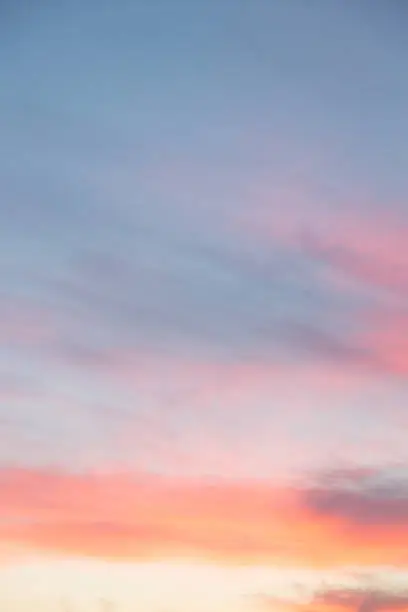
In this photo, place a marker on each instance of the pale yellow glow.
(159, 586)
(177, 586)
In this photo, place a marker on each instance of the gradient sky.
(204, 305)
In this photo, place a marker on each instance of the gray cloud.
(362, 599)
(361, 498)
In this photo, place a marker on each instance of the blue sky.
(204, 265)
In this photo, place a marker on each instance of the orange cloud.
(133, 517)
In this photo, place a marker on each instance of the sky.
(203, 306)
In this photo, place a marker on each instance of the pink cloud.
(387, 337)
(145, 516)
(369, 245)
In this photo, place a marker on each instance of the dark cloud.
(361, 599)
(366, 594)
(361, 498)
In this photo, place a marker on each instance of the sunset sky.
(204, 306)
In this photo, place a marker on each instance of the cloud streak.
(124, 516)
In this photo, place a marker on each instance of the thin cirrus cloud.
(373, 253)
(363, 240)
(185, 297)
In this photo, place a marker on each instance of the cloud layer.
(349, 521)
